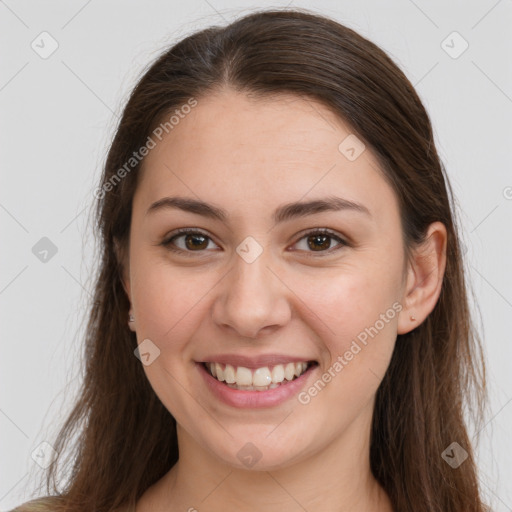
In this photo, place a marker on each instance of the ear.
(424, 278)
(124, 265)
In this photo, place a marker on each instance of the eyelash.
(189, 231)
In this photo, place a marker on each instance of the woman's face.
(259, 286)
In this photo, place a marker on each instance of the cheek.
(169, 305)
(353, 305)
(169, 301)
(359, 325)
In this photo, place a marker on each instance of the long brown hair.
(125, 438)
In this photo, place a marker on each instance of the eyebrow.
(283, 213)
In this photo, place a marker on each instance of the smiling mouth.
(258, 379)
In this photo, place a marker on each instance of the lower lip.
(254, 399)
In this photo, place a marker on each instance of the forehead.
(265, 150)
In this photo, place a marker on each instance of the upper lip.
(256, 361)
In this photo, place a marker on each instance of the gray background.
(58, 114)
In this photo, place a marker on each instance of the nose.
(251, 299)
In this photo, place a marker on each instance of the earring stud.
(413, 318)
(131, 318)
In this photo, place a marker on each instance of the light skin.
(249, 157)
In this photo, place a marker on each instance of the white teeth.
(289, 371)
(278, 373)
(260, 379)
(243, 376)
(219, 372)
(229, 374)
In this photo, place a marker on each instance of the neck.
(338, 478)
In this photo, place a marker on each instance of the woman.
(281, 318)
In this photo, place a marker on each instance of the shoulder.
(51, 504)
(45, 504)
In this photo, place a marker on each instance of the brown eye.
(320, 241)
(196, 242)
(188, 240)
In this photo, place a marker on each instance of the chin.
(259, 452)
